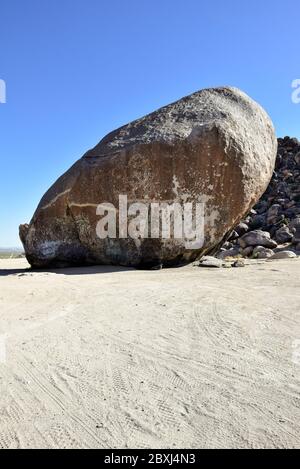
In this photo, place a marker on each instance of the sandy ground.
(183, 358)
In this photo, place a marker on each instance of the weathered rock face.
(216, 146)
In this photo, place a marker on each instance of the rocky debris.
(233, 252)
(274, 222)
(239, 263)
(283, 255)
(210, 261)
(283, 235)
(241, 229)
(216, 147)
(257, 238)
(246, 252)
(296, 233)
(215, 262)
(260, 252)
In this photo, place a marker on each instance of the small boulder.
(241, 229)
(273, 211)
(283, 255)
(235, 251)
(257, 238)
(296, 234)
(257, 222)
(247, 251)
(260, 252)
(294, 223)
(210, 261)
(283, 235)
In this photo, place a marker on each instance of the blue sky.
(77, 69)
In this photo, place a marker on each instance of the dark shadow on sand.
(88, 270)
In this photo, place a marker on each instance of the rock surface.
(260, 252)
(216, 146)
(210, 261)
(257, 238)
(284, 255)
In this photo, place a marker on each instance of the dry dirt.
(104, 357)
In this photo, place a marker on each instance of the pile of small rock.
(272, 228)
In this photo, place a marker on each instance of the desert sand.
(103, 357)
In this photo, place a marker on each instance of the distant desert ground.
(104, 357)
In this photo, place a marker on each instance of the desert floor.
(182, 358)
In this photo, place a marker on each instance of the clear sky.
(77, 69)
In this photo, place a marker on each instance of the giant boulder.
(216, 146)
